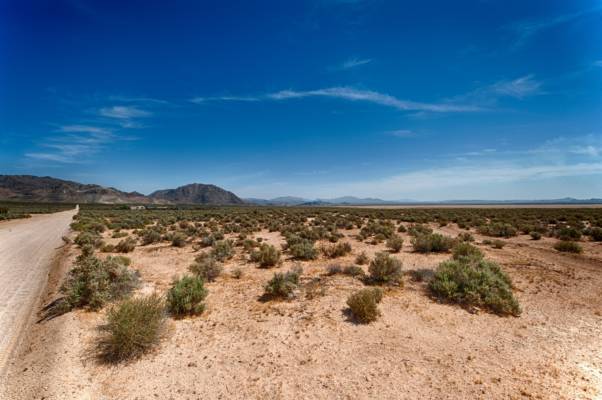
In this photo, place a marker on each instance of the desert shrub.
(385, 269)
(568, 233)
(353, 270)
(465, 237)
(395, 243)
(118, 235)
(475, 283)
(107, 248)
(178, 239)
(222, 250)
(417, 230)
(566, 246)
(267, 255)
(362, 258)
(596, 234)
(334, 269)
(283, 285)
(466, 251)
(88, 238)
(150, 236)
(432, 243)
(206, 266)
(498, 244)
(237, 273)
(535, 235)
(94, 282)
(304, 250)
(363, 304)
(497, 229)
(186, 295)
(126, 245)
(337, 250)
(401, 228)
(133, 327)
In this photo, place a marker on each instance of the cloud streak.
(355, 62)
(349, 94)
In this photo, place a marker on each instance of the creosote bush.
(206, 266)
(267, 255)
(566, 246)
(432, 243)
(363, 304)
(395, 243)
(385, 269)
(472, 282)
(133, 327)
(283, 284)
(186, 295)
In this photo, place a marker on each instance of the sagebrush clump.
(566, 246)
(206, 266)
(94, 282)
(385, 269)
(186, 295)
(395, 243)
(133, 327)
(432, 243)
(363, 304)
(475, 282)
(267, 255)
(283, 284)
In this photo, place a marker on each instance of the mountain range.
(48, 189)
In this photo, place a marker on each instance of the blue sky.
(425, 100)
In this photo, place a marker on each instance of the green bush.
(596, 234)
(186, 295)
(206, 266)
(466, 251)
(222, 250)
(133, 327)
(432, 243)
(568, 247)
(283, 285)
(304, 250)
(267, 255)
(363, 304)
(395, 243)
(150, 236)
(353, 270)
(362, 258)
(88, 238)
(475, 283)
(94, 282)
(465, 237)
(535, 235)
(385, 269)
(567, 234)
(126, 245)
(178, 239)
(337, 250)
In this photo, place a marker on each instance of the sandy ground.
(27, 247)
(306, 348)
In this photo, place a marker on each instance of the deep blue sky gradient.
(426, 100)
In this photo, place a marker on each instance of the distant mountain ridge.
(48, 189)
(196, 193)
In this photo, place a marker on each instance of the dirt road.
(27, 248)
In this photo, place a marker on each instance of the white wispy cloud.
(350, 94)
(123, 112)
(523, 30)
(355, 62)
(598, 63)
(518, 88)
